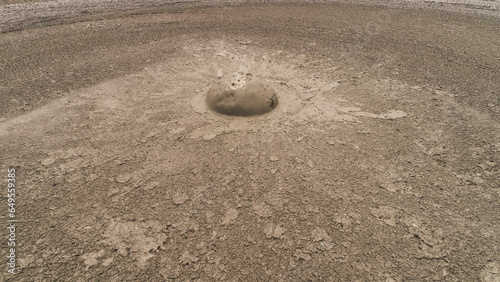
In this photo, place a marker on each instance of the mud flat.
(380, 161)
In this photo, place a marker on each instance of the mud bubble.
(241, 95)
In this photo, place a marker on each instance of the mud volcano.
(242, 95)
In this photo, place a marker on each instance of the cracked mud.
(380, 161)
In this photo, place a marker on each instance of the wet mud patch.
(179, 89)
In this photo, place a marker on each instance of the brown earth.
(380, 162)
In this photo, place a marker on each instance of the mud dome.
(243, 95)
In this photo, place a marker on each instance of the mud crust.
(379, 163)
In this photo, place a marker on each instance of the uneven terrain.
(380, 162)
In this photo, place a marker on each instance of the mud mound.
(241, 96)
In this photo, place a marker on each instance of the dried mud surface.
(380, 162)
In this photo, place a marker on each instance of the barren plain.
(380, 163)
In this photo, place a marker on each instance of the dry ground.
(381, 161)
